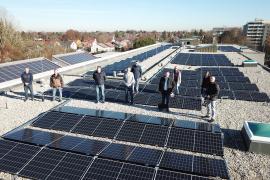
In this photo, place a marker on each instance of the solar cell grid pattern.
(123, 64)
(232, 82)
(77, 58)
(228, 49)
(14, 155)
(202, 59)
(197, 141)
(194, 164)
(11, 72)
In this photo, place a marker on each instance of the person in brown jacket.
(56, 82)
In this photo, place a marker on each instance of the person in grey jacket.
(129, 82)
(27, 80)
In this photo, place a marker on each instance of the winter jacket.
(212, 91)
(137, 71)
(177, 77)
(27, 78)
(99, 78)
(205, 82)
(56, 81)
(170, 84)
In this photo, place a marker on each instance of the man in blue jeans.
(100, 77)
(27, 80)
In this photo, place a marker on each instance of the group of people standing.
(56, 83)
(131, 81)
(209, 91)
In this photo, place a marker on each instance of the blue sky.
(111, 15)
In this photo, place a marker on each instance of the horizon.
(111, 16)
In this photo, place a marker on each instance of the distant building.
(101, 47)
(218, 31)
(256, 32)
(73, 46)
(194, 41)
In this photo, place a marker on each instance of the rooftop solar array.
(11, 72)
(228, 49)
(138, 129)
(232, 82)
(72, 157)
(202, 60)
(123, 64)
(76, 57)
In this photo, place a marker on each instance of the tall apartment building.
(257, 32)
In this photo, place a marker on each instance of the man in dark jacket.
(56, 82)
(212, 91)
(100, 77)
(166, 86)
(137, 71)
(27, 80)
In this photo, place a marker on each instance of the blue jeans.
(30, 88)
(100, 92)
(60, 93)
(129, 92)
(137, 84)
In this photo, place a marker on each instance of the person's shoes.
(211, 120)
(25, 100)
(102, 102)
(60, 100)
(131, 103)
(97, 102)
(167, 110)
(32, 99)
(204, 103)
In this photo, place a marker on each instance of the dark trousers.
(129, 92)
(165, 98)
(27, 88)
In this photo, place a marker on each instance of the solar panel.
(79, 145)
(5, 147)
(72, 166)
(259, 97)
(194, 164)
(87, 125)
(177, 161)
(117, 151)
(145, 156)
(198, 141)
(131, 132)
(67, 122)
(181, 139)
(104, 169)
(76, 58)
(208, 143)
(160, 121)
(210, 167)
(33, 136)
(134, 172)
(48, 119)
(16, 157)
(107, 128)
(154, 135)
(42, 164)
(10, 72)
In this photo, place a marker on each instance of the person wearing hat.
(212, 91)
(137, 71)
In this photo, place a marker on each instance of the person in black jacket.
(212, 91)
(166, 86)
(137, 71)
(205, 82)
(27, 80)
(100, 77)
